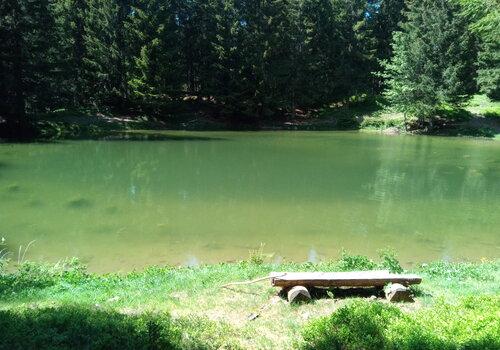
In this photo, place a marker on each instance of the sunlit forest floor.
(457, 306)
(479, 118)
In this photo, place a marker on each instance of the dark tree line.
(234, 57)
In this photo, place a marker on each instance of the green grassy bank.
(65, 307)
(480, 117)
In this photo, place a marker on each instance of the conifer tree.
(433, 59)
(484, 16)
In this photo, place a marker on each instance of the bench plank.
(341, 279)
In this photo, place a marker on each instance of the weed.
(390, 261)
(350, 262)
(4, 256)
(460, 271)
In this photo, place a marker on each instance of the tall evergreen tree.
(30, 57)
(433, 59)
(12, 28)
(484, 16)
(159, 64)
(384, 19)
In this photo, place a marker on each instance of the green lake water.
(189, 198)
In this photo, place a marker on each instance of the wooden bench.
(304, 280)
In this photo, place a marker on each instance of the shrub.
(390, 261)
(473, 323)
(31, 275)
(87, 327)
(384, 121)
(73, 327)
(359, 325)
(348, 262)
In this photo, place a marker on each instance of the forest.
(243, 59)
(250, 174)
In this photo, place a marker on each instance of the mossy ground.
(188, 308)
(480, 117)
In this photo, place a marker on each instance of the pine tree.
(433, 59)
(484, 17)
(30, 60)
(12, 102)
(159, 68)
(384, 19)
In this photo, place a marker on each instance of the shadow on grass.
(456, 114)
(341, 293)
(72, 327)
(348, 115)
(461, 122)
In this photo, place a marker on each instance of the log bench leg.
(396, 293)
(298, 294)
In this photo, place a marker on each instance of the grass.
(479, 118)
(350, 114)
(472, 323)
(482, 105)
(186, 308)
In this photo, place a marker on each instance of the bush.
(84, 328)
(348, 262)
(31, 275)
(390, 261)
(89, 327)
(359, 325)
(473, 323)
(385, 121)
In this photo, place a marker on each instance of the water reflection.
(192, 261)
(312, 256)
(298, 192)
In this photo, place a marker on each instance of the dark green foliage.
(37, 276)
(72, 327)
(247, 60)
(390, 261)
(373, 325)
(242, 59)
(67, 308)
(29, 60)
(433, 62)
(359, 325)
(484, 18)
(349, 262)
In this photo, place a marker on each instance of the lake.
(187, 198)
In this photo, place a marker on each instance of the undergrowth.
(472, 323)
(63, 306)
(87, 327)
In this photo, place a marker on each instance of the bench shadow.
(340, 293)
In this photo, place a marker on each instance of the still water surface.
(189, 198)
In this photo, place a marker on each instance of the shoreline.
(191, 310)
(480, 118)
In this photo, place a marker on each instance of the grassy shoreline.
(185, 308)
(479, 118)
